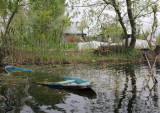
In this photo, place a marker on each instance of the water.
(123, 88)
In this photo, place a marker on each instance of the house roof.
(73, 30)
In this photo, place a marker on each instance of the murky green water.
(118, 88)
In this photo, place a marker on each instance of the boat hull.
(61, 86)
(70, 83)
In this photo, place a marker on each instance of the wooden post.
(151, 71)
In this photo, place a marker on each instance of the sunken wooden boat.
(69, 83)
(11, 69)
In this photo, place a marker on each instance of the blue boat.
(11, 69)
(69, 83)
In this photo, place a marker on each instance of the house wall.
(72, 37)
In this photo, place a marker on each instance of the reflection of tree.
(13, 98)
(7, 101)
(123, 95)
(44, 96)
(133, 83)
(19, 95)
(155, 97)
(129, 71)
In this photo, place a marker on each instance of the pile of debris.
(107, 49)
(151, 54)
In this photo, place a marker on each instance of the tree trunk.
(83, 36)
(8, 24)
(132, 23)
(2, 51)
(10, 19)
(121, 22)
(154, 26)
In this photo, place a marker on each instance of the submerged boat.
(11, 69)
(69, 83)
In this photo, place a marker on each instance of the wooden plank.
(151, 71)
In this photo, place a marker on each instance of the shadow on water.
(89, 93)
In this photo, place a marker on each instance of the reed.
(34, 48)
(125, 54)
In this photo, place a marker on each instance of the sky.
(146, 22)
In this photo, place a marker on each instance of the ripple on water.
(118, 88)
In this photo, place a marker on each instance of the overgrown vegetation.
(32, 33)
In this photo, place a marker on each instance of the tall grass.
(35, 48)
(47, 49)
(123, 53)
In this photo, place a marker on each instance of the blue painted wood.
(11, 69)
(66, 82)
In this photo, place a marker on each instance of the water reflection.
(8, 106)
(130, 71)
(89, 93)
(118, 88)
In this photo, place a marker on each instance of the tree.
(82, 27)
(32, 22)
(40, 13)
(8, 9)
(155, 24)
(47, 17)
(129, 12)
(113, 31)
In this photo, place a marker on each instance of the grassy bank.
(36, 48)
(67, 53)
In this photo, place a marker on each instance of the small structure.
(73, 34)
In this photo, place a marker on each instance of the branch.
(143, 15)
(8, 24)
(106, 2)
(91, 5)
(25, 4)
(144, 8)
(125, 14)
(135, 1)
(102, 11)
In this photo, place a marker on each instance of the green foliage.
(113, 31)
(48, 16)
(38, 76)
(83, 25)
(70, 45)
(120, 52)
(35, 30)
(105, 11)
(140, 36)
(91, 82)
